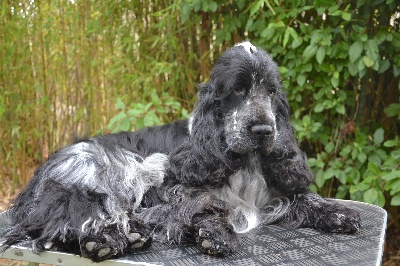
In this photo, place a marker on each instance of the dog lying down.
(233, 165)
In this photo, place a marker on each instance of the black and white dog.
(233, 165)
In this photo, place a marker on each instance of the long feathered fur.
(233, 165)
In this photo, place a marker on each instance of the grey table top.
(265, 245)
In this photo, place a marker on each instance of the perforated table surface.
(265, 245)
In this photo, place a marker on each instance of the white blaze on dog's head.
(251, 49)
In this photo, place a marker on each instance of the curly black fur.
(233, 165)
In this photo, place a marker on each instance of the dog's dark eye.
(272, 90)
(240, 90)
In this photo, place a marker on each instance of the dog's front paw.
(139, 241)
(139, 236)
(340, 220)
(217, 239)
(99, 248)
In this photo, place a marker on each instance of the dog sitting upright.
(233, 165)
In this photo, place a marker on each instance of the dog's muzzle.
(264, 136)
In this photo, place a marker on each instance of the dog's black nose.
(262, 130)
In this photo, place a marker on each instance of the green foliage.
(65, 64)
(143, 114)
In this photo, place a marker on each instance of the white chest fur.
(253, 201)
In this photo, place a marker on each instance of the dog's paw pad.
(105, 252)
(48, 245)
(206, 243)
(98, 250)
(137, 245)
(90, 246)
(138, 241)
(134, 237)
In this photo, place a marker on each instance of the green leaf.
(334, 81)
(310, 51)
(283, 70)
(383, 66)
(120, 104)
(340, 109)
(321, 54)
(371, 195)
(368, 61)
(354, 176)
(353, 68)
(393, 109)
(362, 157)
(204, 6)
(270, 7)
(390, 143)
(395, 154)
(329, 147)
(342, 192)
(372, 50)
(185, 11)
(116, 119)
(125, 125)
(286, 37)
(395, 200)
(358, 187)
(256, 7)
(336, 13)
(395, 186)
(355, 51)
(313, 188)
(345, 151)
(319, 178)
(373, 169)
(341, 176)
(213, 6)
(346, 16)
(301, 79)
(329, 173)
(381, 199)
(134, 112)
(319, 107)
(294, 34)
(378, 136)
(391, 175)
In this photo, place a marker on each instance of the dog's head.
(244, 84)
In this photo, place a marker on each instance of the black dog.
(233, 165)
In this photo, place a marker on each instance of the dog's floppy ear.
(202, 158)
(286, 166)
